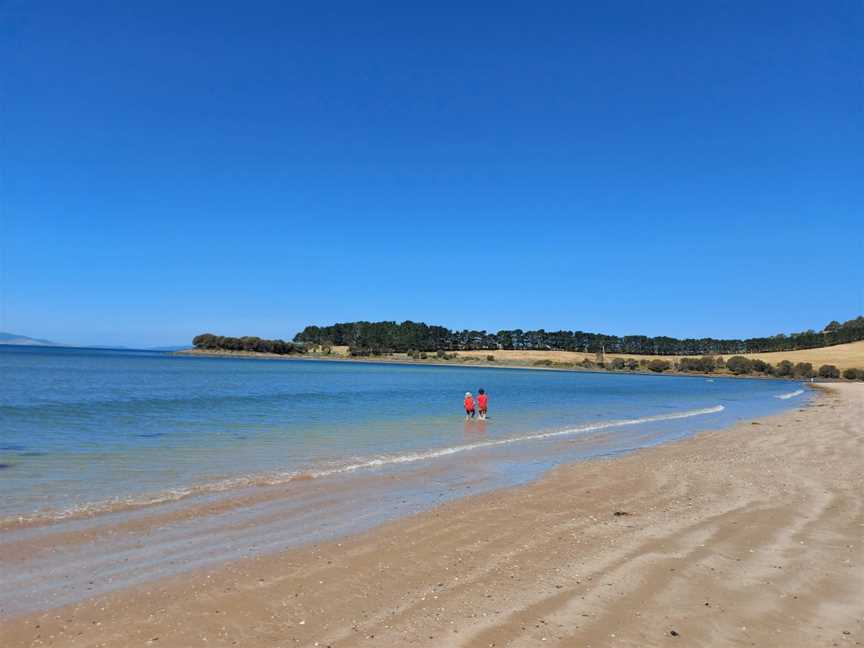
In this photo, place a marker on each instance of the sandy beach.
(749, 536)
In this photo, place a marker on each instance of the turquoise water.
(84, 430)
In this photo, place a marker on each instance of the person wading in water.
(482, 404)
(469, 406)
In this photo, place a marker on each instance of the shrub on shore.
(853, 374)
(760, 366)
(659, 366)
(617, 364)
(417, 355)
(554, 364)
(490, 358)
(739, 365)
(803, 370)
(363, 352)
(705, 364)
(688, 364)
(829, 371)
(784, 368)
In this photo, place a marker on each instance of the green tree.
(739, 365)
(803, 370)
(246, 343)
(408, 335)
(784, 368)
(659, 366)
(760, 366)
(829, 371)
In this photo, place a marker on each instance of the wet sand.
(752, 535)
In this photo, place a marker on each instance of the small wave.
(793, 394)
(443, 452)
(276, 479)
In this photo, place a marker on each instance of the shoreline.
(478, 447)
(510, 564)
(478, 364)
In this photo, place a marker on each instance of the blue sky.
(691, 169)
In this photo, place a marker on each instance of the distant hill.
(120, 347)
(23, 340)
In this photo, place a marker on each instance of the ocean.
(84, 431)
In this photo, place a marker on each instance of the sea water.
(85, 430)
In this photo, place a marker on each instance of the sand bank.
(747, 536)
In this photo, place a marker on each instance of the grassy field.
(842, 356)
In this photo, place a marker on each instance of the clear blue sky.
(682, 168)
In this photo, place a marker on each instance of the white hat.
(467, 394)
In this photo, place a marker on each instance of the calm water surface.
(83, 429)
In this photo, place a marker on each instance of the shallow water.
(84, 430)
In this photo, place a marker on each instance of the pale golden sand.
(747, 536)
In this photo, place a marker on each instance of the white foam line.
(90, 509)
(443, 452)
(793, 394)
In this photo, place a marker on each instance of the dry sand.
(750, 536)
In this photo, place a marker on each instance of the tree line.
(741, 365)
(208, 341)
(390, 337)
(737, 364)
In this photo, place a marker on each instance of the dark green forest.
(208, 341)
(384, 337)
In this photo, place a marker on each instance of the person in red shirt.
(482, 404)
(469, 406)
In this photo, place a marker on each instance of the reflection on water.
(474, 429)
